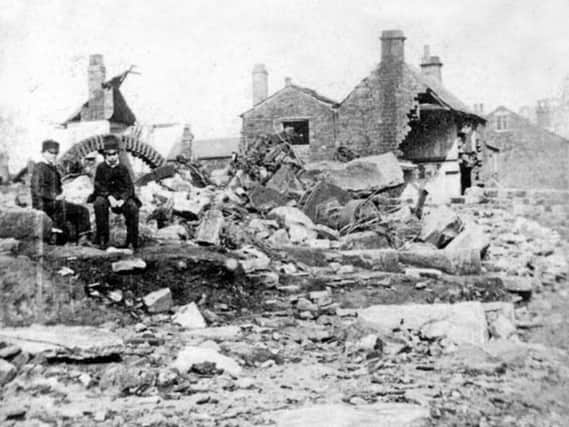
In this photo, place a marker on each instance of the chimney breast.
(260, 83)
(392, 46)
(431, 66)
(96, 73)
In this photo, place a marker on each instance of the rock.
(323, 192)
(471, 237)
(474, 195)
(364, 240)
(520, 285)
(320, 297)
(9, 351)
(325, 232)
(264, 199)
(77, 342)
(190, 209)
(501, 327)
(7, 372)
(173, 232)
(279, 239)
(189, 317)
(209, 230)
(460, 261)
(319, 243)
(464, 322)
(177, 183)
(299, 233)
(9, 245)
(23, 224)
(440, 226)
(158, 301)
(291, 215)
(365, 173)
(252, 259)
(128, 265)
(418, 273)
(77, 190)
(191, 356)
(220, 333)
(344, 415)
(305, 305)
(285, 181)
(372, 259)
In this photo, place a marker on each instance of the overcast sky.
(195, 57)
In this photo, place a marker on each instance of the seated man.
(114, 189)
(72, 219)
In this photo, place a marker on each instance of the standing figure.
(114, 189)
(70, 218)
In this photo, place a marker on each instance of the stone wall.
(293, 104)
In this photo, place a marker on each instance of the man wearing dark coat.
(114, 190)
(70, 218)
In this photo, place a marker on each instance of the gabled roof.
(121, 112)
(216, 148)
(440, 93)
(310, 92)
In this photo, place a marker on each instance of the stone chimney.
(288, 81)
(260, 83)
(96, 74)
(478, 109)
(431, 65)
(392, 46)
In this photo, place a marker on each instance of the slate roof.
(216, 148)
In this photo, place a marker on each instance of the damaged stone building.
(397, 108)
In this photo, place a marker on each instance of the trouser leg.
(130, 212)
(101, 206)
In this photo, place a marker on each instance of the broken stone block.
(520, 284)
(285, 181)
(325, 232)
(501, 327)
(372, 259)
(177, 183)
(9, 245)
(187, 208)
(175, 232)
(305, 305)
(322, 192)
(9, 351)
(464, 322)
(299, 233)
(460, 261)
(418, 273)
(77, 190)
(440, 226)
(344, 415)
(252, 259)
(128, 265)
(366, 173)
(471, 237)
(318, 243)
(190, 356)
(356, 210)
(279, 239)
(7, 372)
(291, 215)
(23, 224)
(264, 199)
(158, 301)
(364, 240)
(320, 297)
(210, 227)
(474, 195)
(77, 342)
(189, 317)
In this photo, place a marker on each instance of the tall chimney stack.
(431, 65)
(260, 83)
(392, 46)
(96, 74)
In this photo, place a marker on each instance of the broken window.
(301, 135)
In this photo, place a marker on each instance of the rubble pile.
(288, 290)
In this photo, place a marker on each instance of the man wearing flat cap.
(114, 190)
(47, 195)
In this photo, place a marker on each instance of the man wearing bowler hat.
(114, 190)
(47, 195)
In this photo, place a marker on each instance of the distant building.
(215, 153)
(522, 154)
(396, 108)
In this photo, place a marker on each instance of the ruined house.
(397, 107)
(525, 155)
